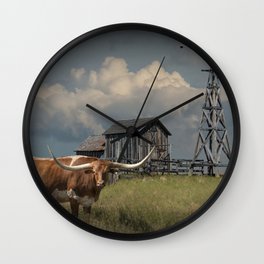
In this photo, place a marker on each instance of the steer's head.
(100, 168)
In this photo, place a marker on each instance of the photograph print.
(131, 131)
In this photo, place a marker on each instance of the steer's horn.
(68, 167)
(118, 165)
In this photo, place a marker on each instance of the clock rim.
(113, 28)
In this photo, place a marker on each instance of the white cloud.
(77, 74)
(113, 89)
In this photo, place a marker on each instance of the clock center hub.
(131, 130)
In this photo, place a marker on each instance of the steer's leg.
(87, 213)
(87, 210)
(74, 206)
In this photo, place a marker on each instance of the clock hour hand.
(106, 116)
(116, 122)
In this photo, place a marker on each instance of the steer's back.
(53, 176)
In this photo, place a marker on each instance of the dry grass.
(147, 204)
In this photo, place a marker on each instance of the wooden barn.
(137, 148)
(92, 146)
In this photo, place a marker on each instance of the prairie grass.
(145, 204)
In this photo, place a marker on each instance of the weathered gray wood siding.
(137, 148)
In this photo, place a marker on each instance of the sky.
(113, 72)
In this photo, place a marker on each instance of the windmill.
(212, 139)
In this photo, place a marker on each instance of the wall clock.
(131, 131)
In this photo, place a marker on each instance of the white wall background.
(231, 32)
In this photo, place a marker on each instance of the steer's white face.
(101, 168)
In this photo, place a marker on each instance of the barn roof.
(92, 143)
(116, 129)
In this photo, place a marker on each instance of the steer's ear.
(89, 171)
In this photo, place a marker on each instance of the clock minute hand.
(170, 111)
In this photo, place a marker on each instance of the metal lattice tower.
(212, 136)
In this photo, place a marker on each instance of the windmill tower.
(212, 140)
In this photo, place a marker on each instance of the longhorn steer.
(78, 179)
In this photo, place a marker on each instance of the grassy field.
(147, 204)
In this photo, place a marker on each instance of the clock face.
(131, 131)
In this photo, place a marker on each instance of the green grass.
(147, 204)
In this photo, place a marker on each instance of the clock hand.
(143, 138)
(129, 135)
(106, 116)
(136, 134)
(149, 92)
(124, 148)
(168, 112)
(118, 123)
